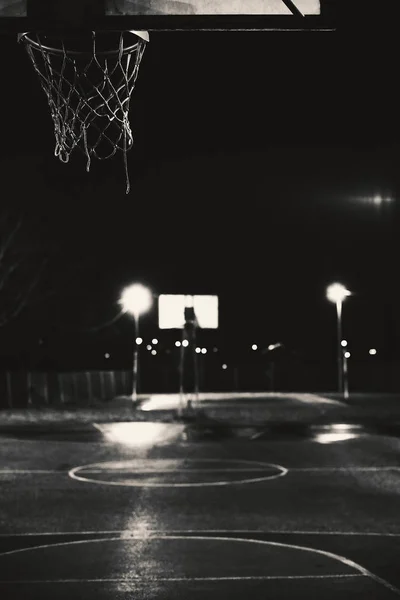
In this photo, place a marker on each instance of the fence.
(19, 389)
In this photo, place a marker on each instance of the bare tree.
(21, 266)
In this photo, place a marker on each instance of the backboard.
(164, 15)
(171, 310)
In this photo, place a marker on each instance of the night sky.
(256, 159)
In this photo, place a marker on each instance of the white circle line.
(335, 557)
(73, 473)
(169, 471)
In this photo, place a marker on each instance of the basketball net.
(88, 80)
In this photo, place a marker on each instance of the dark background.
(256, 159)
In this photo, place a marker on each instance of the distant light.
(337, 292)
(224, 366)
(347, 354)
(273, 346)
(198, 350)
(215, 349)
(139, 341)
(154, 341)
(177, 343)
(148, 347)
(185, 343)
(372, 351)
(204, 350)
(107, 355)
(154, 352)
(377, 200)
(344, 343)
(254, 347)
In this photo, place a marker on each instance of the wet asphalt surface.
(158, 510)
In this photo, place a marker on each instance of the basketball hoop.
(88, 79)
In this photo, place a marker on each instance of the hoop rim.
(143, 35)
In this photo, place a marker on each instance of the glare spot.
(185, 343)
(177, 343)
(154, 352)
(139, 434)
(204, 350)
(372, 351)
(329, 438)
(254, 347)
(154, 341)
(338, 432)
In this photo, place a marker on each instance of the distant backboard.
(171, 310)
(29, 15)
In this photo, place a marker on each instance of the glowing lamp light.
(343, 343)
(198, 350)
(136, 299)
(107, 355)
(337, 292)
(154, 341)
(254, 347)
(204, 350)
(154, 352)
(347, 354)
(177, 343)
(139, 341)
(148, 347)
(372, 351)
(185, 343)
(224, 366)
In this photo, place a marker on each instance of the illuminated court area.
(146, 509)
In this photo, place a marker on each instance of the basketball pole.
(135, 370)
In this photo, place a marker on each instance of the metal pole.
(339, 346)
(345, 376)
(181, 372)
(135, 360)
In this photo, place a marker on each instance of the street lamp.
(337, 293)
(136, 299)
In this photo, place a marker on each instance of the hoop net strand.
(88, 92)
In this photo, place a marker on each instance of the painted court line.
(181, 470)
(159, 532)
(349, 468)
(140, 579)
(79, 473)
(335, 557)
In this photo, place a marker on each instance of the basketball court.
(113, 512)
(141, 508)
